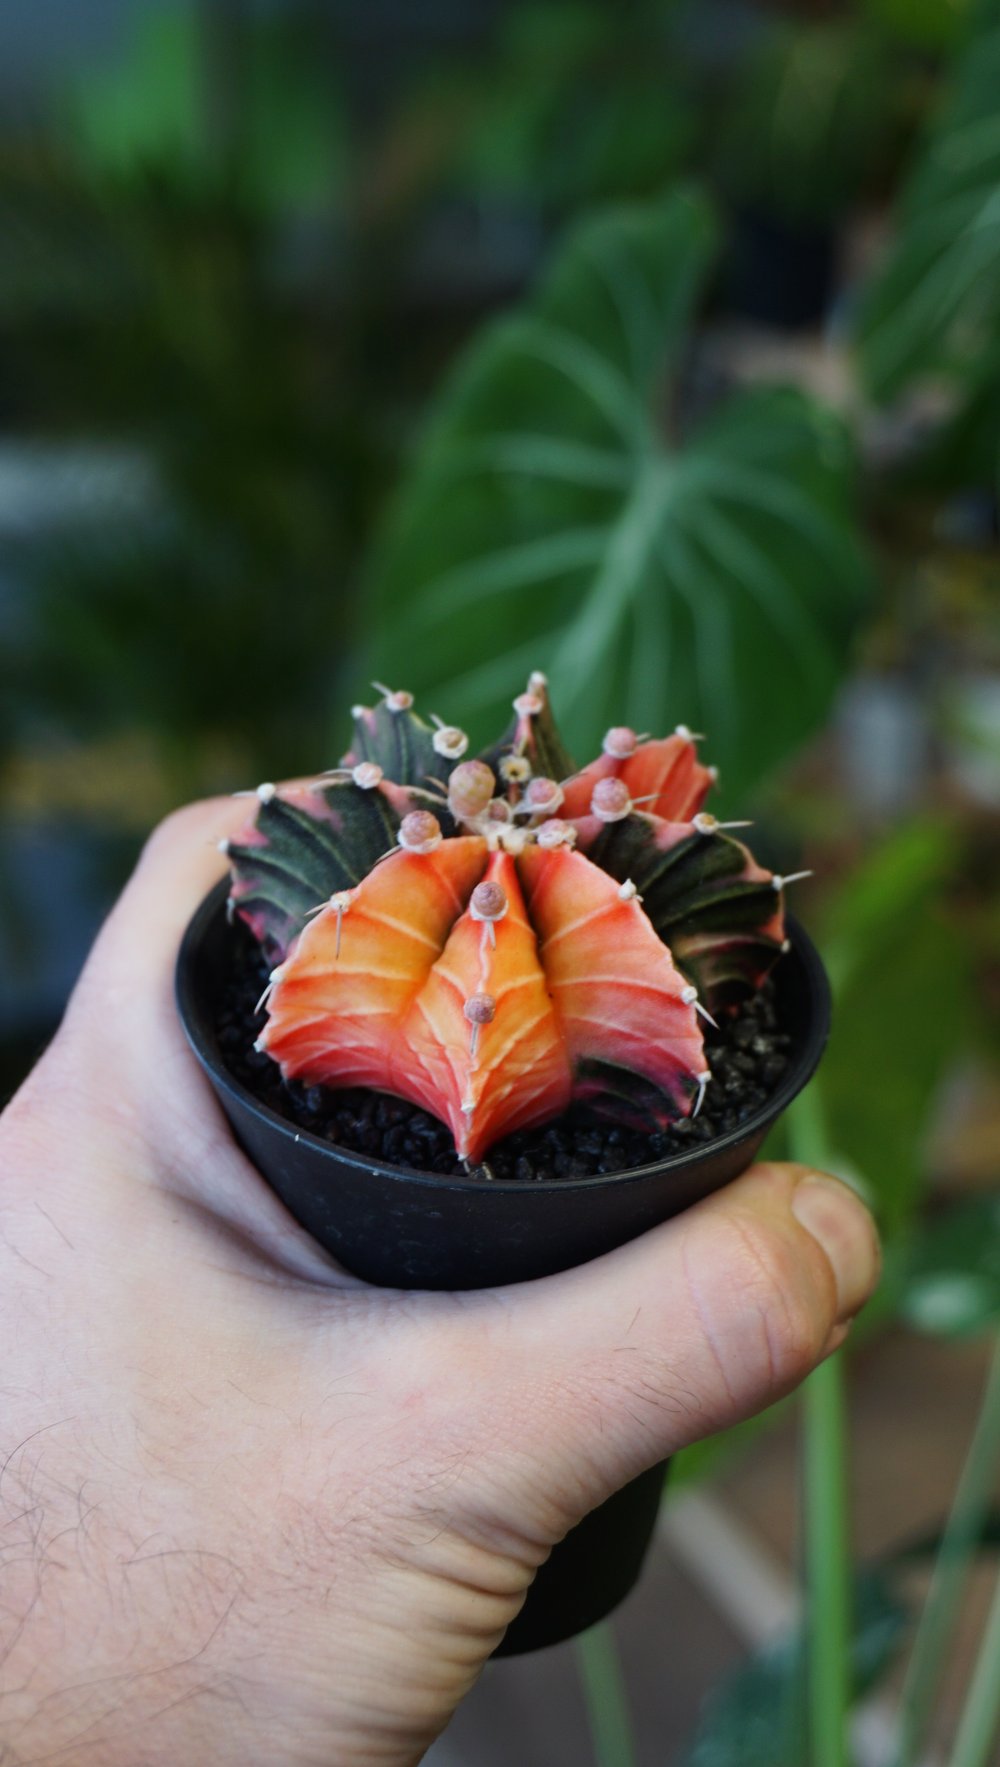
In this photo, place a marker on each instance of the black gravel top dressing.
(748, 1056)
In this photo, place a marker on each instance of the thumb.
(124, 1001)
(700, 1323)
(121, 1038)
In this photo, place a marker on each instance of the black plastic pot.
(407, 1229)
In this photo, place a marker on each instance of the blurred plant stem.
(942, 1609)
(828, 1564)
(981, 1717)
(605, 1697)
(826, 1523)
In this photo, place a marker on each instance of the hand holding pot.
(252, 1508)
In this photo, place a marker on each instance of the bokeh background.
(656, 344)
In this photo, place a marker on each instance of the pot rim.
(803, 1064)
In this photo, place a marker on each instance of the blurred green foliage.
(213, 259)
(575, 105)
(582, 103)
(951, 1272)
(935, 308)
(900, 966)
(818, 117)
(757, 1716)
(152, 288)
(228, 101)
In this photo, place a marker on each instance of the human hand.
(254, 1510)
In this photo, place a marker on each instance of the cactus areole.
(497, 939)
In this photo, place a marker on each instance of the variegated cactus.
(498, 938)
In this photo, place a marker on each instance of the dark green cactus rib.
(400, 743)
(605, 1090)
(538, 739)
(701, 894)
(300, 856)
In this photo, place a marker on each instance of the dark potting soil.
(748, 1056)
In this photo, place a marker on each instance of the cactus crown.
(495, 938)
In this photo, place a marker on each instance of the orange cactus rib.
(512, 1069)
(619, 998)
(336, 1019)
(665, 776)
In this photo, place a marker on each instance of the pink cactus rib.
(665, 778)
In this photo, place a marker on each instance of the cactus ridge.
(497, 938)
(533, 736)
(665, 776)
(707, 898)
(399, 742)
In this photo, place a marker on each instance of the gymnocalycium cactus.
(497, 938)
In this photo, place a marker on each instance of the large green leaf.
(936, 305)
(550, 521)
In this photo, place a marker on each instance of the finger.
(121, 1037)
(702, 1322)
